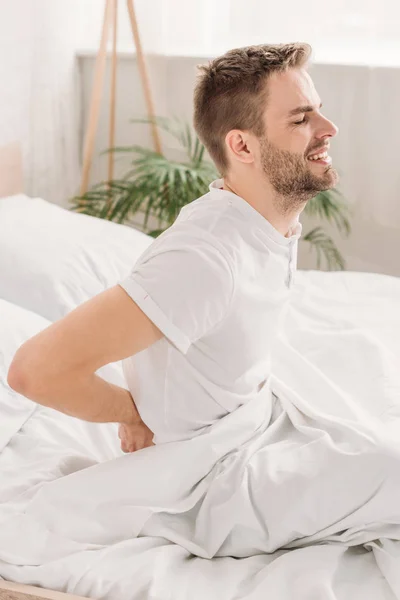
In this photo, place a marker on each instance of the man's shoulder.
(193, 242)
(215, 217)
(190, 236)
(205, 226)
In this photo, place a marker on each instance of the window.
(341, 28)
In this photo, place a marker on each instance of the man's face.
(293, 152)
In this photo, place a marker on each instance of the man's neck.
(284, 223)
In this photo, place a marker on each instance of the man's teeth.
(318, 156)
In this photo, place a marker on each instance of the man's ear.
(240, 146)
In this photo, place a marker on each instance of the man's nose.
(328, 128)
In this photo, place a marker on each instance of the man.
(195, 321)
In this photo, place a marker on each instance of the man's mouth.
(320, 157)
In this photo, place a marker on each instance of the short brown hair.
(230, 92)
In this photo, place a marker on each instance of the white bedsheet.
(305, 488)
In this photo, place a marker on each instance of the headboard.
(11, 175)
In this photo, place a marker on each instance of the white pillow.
(53, 259)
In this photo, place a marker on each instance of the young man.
(196, 319)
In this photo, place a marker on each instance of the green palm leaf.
(324, 245)
(330, 205)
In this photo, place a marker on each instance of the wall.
(38, 103)
(15, 50)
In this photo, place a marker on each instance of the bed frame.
(17, 591)
(11, 183)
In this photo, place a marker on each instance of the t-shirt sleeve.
(184, 283)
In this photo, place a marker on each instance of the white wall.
(38, 94)
(16, 42)
(359, 99)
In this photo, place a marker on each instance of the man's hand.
(135, 436)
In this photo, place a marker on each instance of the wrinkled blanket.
(296, 494)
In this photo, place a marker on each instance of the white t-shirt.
(216, 284)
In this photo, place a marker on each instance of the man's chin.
(329, 180)
(333, 177)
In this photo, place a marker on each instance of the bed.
(341, 327)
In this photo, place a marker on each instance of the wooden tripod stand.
(110, 22)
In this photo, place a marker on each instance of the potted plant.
(157, 186)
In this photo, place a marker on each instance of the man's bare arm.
(57, 366)
(88, 397)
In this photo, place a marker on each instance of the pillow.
(53, 259)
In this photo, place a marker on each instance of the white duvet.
(296, 496)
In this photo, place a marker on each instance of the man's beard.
(291, 178)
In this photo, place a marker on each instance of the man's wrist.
(133, 417)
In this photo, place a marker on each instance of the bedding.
(317, 464)
(52, 259)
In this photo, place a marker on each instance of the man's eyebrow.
(302, 109)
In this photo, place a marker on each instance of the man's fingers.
(134, 438)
